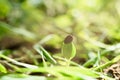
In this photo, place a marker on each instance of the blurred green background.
(93, 23)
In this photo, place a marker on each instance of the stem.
(18, 63)
(103, 66)
(114, 60)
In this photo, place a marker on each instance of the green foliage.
(68, 48)
(2, 69)
(4, 29)
(5, 8)
(68, 73)
(21, 77)
(94, 24)
(44, 54)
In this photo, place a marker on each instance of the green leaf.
(116, 59)
(5, 8)
(16, 62)
(21, 77)
(45, 54)
(69, 73)
(4, 29)
(2, 69)
(68, 48)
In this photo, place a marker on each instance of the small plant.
(68, 48)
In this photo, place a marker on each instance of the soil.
(114, 71)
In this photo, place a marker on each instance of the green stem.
(18, 63)
(103, 66)
(114, 60)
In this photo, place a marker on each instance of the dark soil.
(114, 71)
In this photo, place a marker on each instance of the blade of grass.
(17, 63)
(44, 54)
(114, 60)
(2, 69)
(74, 73)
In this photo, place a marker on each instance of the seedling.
(68, 48)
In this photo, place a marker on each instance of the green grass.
(53, 69)
(59, 39)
